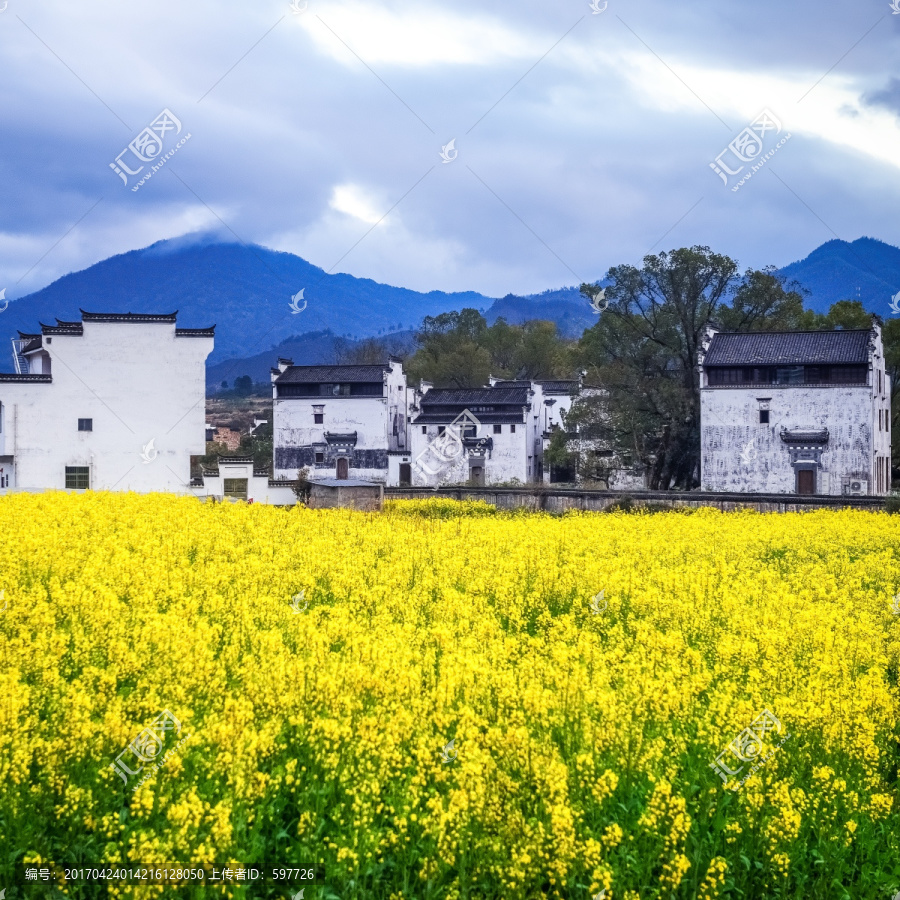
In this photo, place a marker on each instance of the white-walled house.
(115, 401)
(804, 412)
(341, 421)
(550, 401)
(477, 435)
(496, 434)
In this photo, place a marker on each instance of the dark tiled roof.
(338, 438)
(126, 317)
(75, 329)
(516, 383)
(515, 396)
(235, 459)
(439, 418)
(33, 379)
(332, 374)
(805, 437)
(789, 348)
(558, 387)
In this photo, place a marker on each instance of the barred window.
(849, 374)
(78, 478)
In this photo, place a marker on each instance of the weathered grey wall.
(743, 455)
(560, 501)
(351, 496)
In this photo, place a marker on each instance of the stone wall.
(561, 501)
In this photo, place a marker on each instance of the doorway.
(405, 474)
(806, 481)
(476, 475)
(236, 488)
(343, 468)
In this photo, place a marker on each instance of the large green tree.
(459, 349)
(644, 350)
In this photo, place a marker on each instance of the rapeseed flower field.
(306, 672)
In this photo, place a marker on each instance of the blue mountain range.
(251, 293)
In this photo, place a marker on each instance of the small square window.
(318, 418)
(442, 429)
(763, 417)
(498, 429)
(78, 478)
(424, 429)
(320, 457)
(85, 424)
(512, 429)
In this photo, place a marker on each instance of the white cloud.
(35, 260)
(416, 36)
(352, 200)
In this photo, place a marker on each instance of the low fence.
(553, 500)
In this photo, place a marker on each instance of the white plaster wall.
(394, 462)
(881, 425)
(380, 423)
(506, 461)
(258, 488)
(554, 415)
(398, 411)
(730, 426)
(138, 382)
(534, 445)
(294, 425)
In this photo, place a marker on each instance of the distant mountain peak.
(867, 269)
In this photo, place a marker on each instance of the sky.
(582, 136)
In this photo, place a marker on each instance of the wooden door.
(476, 475)
(806, 481)
(405, 474)
(343, 468)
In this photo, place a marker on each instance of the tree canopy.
(460, 349)
(644, 348)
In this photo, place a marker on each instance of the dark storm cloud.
(583, 139)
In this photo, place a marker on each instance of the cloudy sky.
(581, 138)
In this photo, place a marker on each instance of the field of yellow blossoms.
(444, 701)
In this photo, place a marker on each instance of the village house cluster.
(116, 401)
